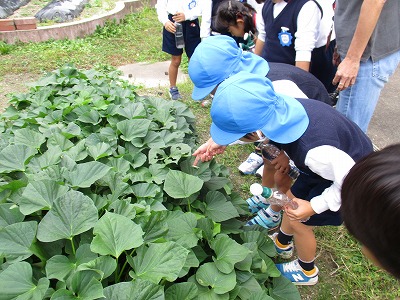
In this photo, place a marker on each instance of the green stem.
(124, 265)
(189, 207)
(116, 277)
(72, 245)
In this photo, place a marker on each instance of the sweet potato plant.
(99, 200)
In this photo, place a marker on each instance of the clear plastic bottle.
(273, 196)
(179, 40)
(270, 152)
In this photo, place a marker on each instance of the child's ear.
(239, 19)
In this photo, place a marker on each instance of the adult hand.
(170, 26)
(346, 73)
(179, 17)
(303, 212)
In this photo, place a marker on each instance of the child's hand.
(207, 151)
(170, 26)
(281, 163)
(179, 17)
(303, 212)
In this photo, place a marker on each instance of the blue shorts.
(307, 187)
(191, 34)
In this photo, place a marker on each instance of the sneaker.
(260, 171)
(252, 163)
(174, 93)
(256, 203)
(286, 252)
(293, 272)
(265, 220)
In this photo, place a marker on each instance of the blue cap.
(247, 102)
(217, 58)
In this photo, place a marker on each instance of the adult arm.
(348, 69)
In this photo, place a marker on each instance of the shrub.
(99, 200)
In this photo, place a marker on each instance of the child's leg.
(173, 69)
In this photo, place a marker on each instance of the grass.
(344, 272)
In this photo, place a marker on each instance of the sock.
(283, 239)
(271, 212)
(308, 267)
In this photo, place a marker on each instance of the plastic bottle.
(179, 40)
(273, 196)
(270, 152)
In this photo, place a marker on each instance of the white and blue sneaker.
(286, 252)
(265, 220)
(293, 272)
(256, 203)
(251, 164)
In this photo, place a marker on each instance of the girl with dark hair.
(371, 206)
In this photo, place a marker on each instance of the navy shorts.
(307, 187)
(191, 34)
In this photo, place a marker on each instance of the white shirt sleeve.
(260, 27)
(205, 27)
(332, 164)
(162, 13)
(308, 22)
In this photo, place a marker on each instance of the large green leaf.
(135, 290)
(103, 265)
(16, 239)
(28, 137)
(228, 253)
(209, 276)
(71, 214)
(16, 283)
(40, 195)
(218, 208)
(85, 174)
(114, 234)
(283, 289)
(180, 291)
(86, 286)
(14, 158)
(135, 128)
(182, 229)
(181, 185)
(99, 150)
(159, 261)
(9, 214)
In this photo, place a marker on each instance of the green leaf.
(132, 110)
(103, 265)
(40, 195)
(9, 214)
(181, 185)
(283, 289)
(14, 158)
(114, 234)
(182, 229)
(91, 117)
(209, 276)
(99, 150)
(131, 129)
(86, 286)
(16, 283)
(218, 208)
(85, 174)
(16, 239)
(28, 137)
(228, 253)
(134, 290)
(159, 261)
(180, 291)
(216, 183)
(71, 214)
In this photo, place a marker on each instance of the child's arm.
(306, 35)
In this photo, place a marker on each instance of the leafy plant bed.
(99, 200)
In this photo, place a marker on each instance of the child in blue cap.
(219, 57)
(323, 154)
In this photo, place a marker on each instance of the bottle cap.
(256, 189)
